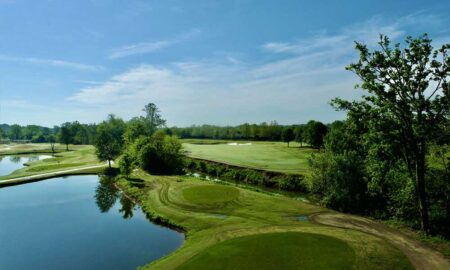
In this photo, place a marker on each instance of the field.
(271, 156)
(232, 228)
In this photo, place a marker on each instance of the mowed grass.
(229, 227)
(79, 156)
(271, 156)
(210, 194)
(291, 250)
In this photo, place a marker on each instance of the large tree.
(407, 105)
(153, 117)
(109, 139)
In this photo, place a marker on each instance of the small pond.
(77, 222)
(8, 164)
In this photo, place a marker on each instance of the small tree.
(52, 141)
(126, 164)
(65, 135)
(299, 135)
(288, 135)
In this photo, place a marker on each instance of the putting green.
(210, 194)
(291, 250)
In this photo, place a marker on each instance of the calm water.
(77, 222)
(8, 164)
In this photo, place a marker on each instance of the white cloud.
(52, 62)
(296, 87)
(150, 47)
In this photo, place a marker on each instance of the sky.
(200, 61)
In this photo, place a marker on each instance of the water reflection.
(106, 195)
(15, 159)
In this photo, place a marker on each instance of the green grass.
(80, 156)
(221, 222)
(210, 194)
(271, 156)
(292, 250)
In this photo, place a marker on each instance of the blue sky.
(216, 62)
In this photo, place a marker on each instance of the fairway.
(292, 250)
(210, 194)
(271, 156)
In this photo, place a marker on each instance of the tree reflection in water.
(106, 195)
(14, 159)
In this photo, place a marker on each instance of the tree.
(15, 132)
(52, 140)
(288, 135)
(153, 118)
(65, 135)
(109, 140)
(126, 164)
(408, 102)
(314, 133)
(299, 135)
(136, 127)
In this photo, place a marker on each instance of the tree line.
(67, 133)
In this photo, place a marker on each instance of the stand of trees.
(140, 142)
(389, 158)
(68, 133)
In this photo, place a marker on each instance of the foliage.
(109, 139)
(157, 154)
(288, 135)
(407, 107)
(314, 133)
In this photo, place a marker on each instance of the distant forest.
(312, 133)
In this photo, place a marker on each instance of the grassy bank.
(221, 220)
(80, 156)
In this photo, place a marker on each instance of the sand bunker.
(239, 144)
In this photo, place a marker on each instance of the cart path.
(50, 174)
(420, 256)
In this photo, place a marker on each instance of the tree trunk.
(67, 147)
(109, 163)
(420, 181)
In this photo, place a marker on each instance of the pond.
(77, 222)
(8, 164)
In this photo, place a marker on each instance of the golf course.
(229, 227)
(270, 156)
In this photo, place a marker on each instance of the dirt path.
(421, 257)
(50, 174)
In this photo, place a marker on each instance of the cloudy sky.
(216, 62)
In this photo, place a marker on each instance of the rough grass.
(292, 250)
(249, 213)
(271, 156)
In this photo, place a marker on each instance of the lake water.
(77, 222)
(8, 164)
